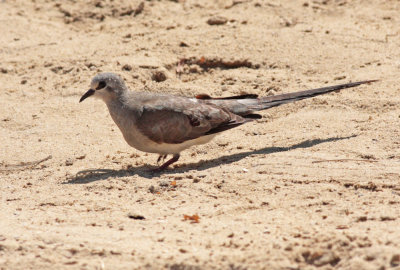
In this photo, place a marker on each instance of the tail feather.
(273, 101)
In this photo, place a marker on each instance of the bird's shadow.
(88, 176)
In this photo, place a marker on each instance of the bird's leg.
(161, 158)
(174, 159)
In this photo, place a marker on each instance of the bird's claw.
(161, 158)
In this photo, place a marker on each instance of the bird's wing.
(173, 120)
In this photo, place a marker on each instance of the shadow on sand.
(88, 176)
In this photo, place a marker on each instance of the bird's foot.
(161, 158)
(166, 164)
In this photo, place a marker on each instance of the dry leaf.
(194, 218)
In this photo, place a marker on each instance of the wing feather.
(173, 120)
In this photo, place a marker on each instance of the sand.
(312, 185)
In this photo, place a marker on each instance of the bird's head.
(107, 86)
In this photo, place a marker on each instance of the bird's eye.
(101, 85)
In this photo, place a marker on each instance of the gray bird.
(167, 124)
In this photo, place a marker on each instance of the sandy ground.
(315, 184)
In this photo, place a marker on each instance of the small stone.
(395, 261)
(159, 76)
(362, 219)
(319, 258)
(164, 184)
(90, 65)
(136, 216)
(152, 189)
(194, 69)
(327, 258)
(217, 20)
(288, 248)
(98, 4)
(369, 258)
(69, 162)
(337, 78)
(127, 67)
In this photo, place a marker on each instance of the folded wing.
(174, 120)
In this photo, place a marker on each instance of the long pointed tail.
(273, 101)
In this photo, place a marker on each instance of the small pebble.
(164, 184)
(217, 20)
(159, 76)
(69, 162)
(127, 67)
(136, 216)
(395, 261)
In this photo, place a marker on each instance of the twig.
(343, 160)
(95, 171)
(24, 166)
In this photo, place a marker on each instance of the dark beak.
(87, 94)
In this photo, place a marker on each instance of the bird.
(167, 124)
